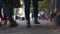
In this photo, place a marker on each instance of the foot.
(13, 23)
(28, 23)
(4, 21)
(0, 22)
(36, 22)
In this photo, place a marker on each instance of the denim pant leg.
(35, 8)
(0, 13)
(5, 10)
(0, 8)
(27, 9)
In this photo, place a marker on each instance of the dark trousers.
(11, 4)
(0, 13)
(5, 12)
(27, 8)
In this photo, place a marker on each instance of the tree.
(42, 5)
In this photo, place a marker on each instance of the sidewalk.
(35, 29)
(31, 30)
(42, 23)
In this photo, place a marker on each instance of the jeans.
(2, 5)
(27, 8)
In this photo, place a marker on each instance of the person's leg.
(27, 11)
(0, 17)
(10, 12)
(35, 11)
(0, 13)
(5, 10)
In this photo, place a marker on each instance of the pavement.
(42, 23)
(45, 27)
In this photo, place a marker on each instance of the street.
(42, 28)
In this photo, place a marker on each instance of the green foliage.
(42, 6)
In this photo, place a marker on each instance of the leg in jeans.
(27, 11)
(0, 13)
(35, 10)
(0, 17)
(5, 10)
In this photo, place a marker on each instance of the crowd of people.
(9, 5)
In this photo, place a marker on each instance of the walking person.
(5, 17)
(27, 11)
(11, 4)
(53, 15)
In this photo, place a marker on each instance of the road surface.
(43, 28)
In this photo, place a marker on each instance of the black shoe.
(13, 23)
(36, 22)
(28, 24)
